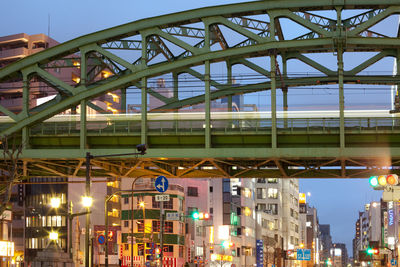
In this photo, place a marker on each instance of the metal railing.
(263, 125)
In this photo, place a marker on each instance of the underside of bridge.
(255, 37)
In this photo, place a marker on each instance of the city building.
(339, 254)
(326, 240)
(310, 235)
(234, 222)
(18, 46)
(199, 231)
(145, 225)
(279, 198)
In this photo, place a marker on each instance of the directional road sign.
(161, 184)
(172, 216)
(304, 254)
(393, 262)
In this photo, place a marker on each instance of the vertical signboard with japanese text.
(260, 253)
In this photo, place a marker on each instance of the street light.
(53, 236)
(55, 202)
(141, 151)
(87, 201)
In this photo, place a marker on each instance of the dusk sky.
(337, 201)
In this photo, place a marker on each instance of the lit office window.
(273, 193)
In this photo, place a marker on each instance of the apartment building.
(140, 218)
(279, 198)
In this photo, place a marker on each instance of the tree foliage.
(11, 168)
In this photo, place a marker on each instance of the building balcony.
(14, 39)
(15, 53)
(14, 104)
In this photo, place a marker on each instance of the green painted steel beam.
(223, 153)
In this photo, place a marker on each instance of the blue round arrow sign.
(161, 184)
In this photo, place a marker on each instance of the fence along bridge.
(211, 144)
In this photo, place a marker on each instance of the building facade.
(143, 230)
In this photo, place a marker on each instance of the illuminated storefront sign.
(302, 198)
(6, 249)
(219, 257)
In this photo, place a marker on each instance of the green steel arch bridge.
(208, 143)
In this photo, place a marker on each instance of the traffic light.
(373, 181)
(380, 182)
(200, 215)
(226, 244)
(371, 251)
(195, 215)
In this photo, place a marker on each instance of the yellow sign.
(6, 249)
(302, 198)
(219, 257)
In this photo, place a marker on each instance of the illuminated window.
(105, 74)
(140, 226)
(75, 78)
(247, 193)
(247, 211)
(271, 225)
(272, 193)
(115, 199)
(115, 213)
(272, 180)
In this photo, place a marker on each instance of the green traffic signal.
(371, 251)
(195, 215)
(373, 181)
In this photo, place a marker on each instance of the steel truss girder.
(128, 78)
(197, 163)
(171, 26)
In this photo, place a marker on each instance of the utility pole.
(87, 194)
(204, 253)
(161, 233)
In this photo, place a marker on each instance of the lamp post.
(55, 202)
(142, 150)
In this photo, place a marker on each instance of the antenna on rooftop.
(48, 25)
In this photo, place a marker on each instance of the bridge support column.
(82, 136)
(285, 88)
(175, 78)
(25, 109)
(207, 105)
(285, 91)
(123, 101)
(207, 96)
(274, 142)
(396, 105)
(83, 131)
(229, 82)
(143, 110)
(340, 78)
(273, 102)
